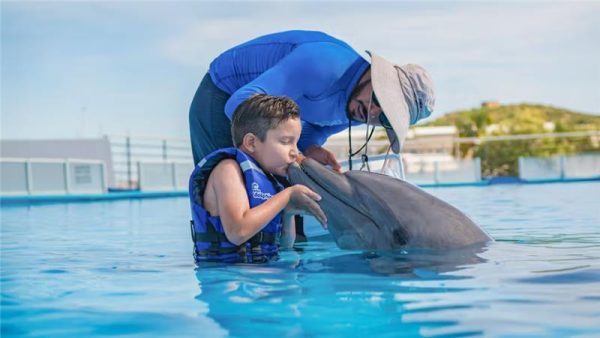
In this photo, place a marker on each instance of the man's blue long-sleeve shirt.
(314, 69)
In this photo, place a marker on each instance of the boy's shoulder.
(227, 166)
(226, 171)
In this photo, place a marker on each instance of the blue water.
(125, 268)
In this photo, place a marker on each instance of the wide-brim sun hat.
(405, 94)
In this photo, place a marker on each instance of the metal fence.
(134, 155)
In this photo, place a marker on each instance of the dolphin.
(369, 211)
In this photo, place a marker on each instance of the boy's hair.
(260, 113)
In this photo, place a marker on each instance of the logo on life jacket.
(259, 194)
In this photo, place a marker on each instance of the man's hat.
(405, 94)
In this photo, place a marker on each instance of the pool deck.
(136, 194)
(110, 196)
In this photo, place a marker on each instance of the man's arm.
(312, 139)
(308, 70)
(288, 231)
(316, 135)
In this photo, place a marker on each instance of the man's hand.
(300, 158)
(323, 156)
(303, 200)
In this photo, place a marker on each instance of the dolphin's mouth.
(343, 201)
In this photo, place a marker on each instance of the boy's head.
(259, 114)
(268, 128)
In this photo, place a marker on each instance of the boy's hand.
(303, 200)
(323, 156)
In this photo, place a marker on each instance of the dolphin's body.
(368, 211)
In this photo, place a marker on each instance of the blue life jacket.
(210, 242)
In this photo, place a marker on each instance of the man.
(333, 85)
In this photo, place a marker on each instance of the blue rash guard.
(314, 69)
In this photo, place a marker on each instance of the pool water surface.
(126, 268)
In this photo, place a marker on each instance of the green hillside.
(500, 158)
(517, 119)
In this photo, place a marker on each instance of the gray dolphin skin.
(369, 211)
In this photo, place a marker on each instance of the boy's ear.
(249, 142)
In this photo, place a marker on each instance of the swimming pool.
(126, 268)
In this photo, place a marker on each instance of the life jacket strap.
(218, 237)
(210, 237)
(215, 239)
(262, 238)
(210, 252)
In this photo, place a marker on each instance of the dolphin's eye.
(400, 236)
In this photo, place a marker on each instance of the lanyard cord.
(369, 134)
(365, 158)
(350, 153)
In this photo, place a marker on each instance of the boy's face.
(279, 149)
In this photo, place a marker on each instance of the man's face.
(279, 148)
(358, 106)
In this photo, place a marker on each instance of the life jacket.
(210, 242)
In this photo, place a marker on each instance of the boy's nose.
(294, 152)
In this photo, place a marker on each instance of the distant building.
(431, 140)
(496, 129)
(80, 149)
(72, 166)
(419, 140)
(338, 143)
(490, 104)
(549, 126)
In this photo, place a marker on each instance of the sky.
(73, 69)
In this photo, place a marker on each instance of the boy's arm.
(241, 222)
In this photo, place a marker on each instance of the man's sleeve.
(309, 70)
(313, 134)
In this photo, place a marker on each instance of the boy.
(236, 202)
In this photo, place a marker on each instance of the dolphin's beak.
(294, 170)
(348, 219)
(324, 181)
(330, 180)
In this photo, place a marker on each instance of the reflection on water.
(322, 290)
(398, 263)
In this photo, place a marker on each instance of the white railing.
(580, 166)
(164, 175)
(127, 151)
(445, 171)
(22, 176)
(419, 171)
